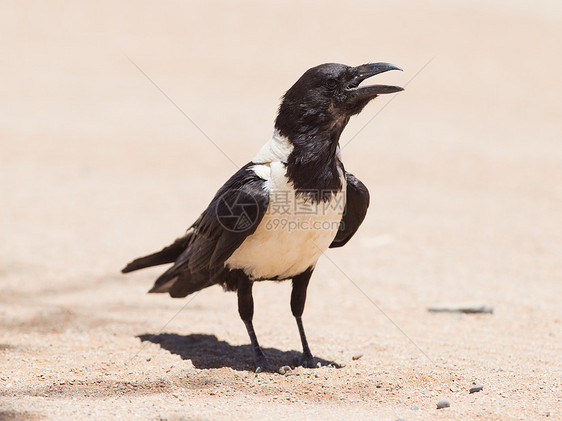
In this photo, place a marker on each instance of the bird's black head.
(326, 96)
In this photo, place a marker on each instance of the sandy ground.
(98, 167)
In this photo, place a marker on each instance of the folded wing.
(199, 256)
(357, 202)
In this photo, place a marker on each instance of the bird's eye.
(331, 83)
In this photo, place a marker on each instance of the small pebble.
(443, 404)
(356, 357)
(258, 370)
(148, 358)
(285, 370)
(476, 388)
(318, 364)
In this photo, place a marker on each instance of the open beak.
(366, 71)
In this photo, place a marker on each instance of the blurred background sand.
(97, 167)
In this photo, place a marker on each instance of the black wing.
(234, 213)
(356, 204)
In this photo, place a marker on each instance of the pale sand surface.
(98, 167)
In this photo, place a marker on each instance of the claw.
(285, 370)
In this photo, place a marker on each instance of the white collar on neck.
(277, 149)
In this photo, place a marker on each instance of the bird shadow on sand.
(206, 351)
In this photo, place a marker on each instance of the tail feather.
(163, 284)
(166, 255)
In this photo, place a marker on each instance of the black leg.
(298, 298)
(246, 311)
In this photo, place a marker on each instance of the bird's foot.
(262, 364)
(306, 360)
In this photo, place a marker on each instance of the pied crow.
(274, 218)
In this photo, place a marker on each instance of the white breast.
(294, 232)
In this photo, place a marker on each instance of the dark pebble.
(476, 388)
(467, 310)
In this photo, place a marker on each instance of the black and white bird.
(276, 216)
